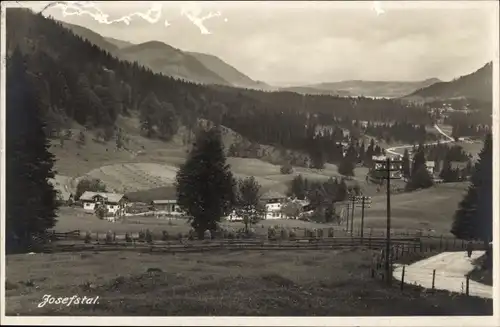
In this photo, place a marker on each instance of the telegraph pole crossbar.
(391, 169)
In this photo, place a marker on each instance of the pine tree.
(205, 184)
(418, 161)
(149, 109)
(446, 173)
(167, 121)
(406, 164)
(298, 187)
(474, 216)
(30, 199)
(420, 179)
(346, 166)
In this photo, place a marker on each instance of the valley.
(163, 181)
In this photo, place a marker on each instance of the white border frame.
(280, 321)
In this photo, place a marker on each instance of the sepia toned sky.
(312, 42)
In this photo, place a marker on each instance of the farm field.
(430, 210)
(272, 283)
(76, 219)
(148, 163)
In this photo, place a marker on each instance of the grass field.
(281, 283)
(147, 163)
(430, 210)
(76, 219)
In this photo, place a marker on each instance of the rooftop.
(110, 197)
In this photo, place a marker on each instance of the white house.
(430, 167)
(114, 202)
(273, 202)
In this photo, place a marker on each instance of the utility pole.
(352, 214)
(365, 203)
(390, 169)
(347, 216)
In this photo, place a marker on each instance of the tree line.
(88, 85)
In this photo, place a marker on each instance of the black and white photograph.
(249, 163)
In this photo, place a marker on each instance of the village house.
(114, 202)
(430, 167)
(168, 206)
(273, 202)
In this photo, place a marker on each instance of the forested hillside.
(78, 81)
(475, 86)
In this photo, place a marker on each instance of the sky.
(286, 43)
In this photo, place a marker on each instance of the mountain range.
(162, 58)
(376, 89)
(209, 69)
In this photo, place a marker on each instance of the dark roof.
(164, 201)
(110, 197)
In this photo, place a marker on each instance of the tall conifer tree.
(30, 198)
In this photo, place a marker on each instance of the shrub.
(164, 236)
(148, 236)
(320, 233)
(330, 232)
(207, 235)
(271, 233)
(142, 236)
(286, 169)
(88, 238)
(191, 234)
(109, 237)
(284, 234)
(293, 234)
(128, 238)
(180, 236)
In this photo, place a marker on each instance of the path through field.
(451, 268)
(393, 150)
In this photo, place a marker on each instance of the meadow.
(245, 283)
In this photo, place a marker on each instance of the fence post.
(467, 284)
(433, 277)
(97, 236)
(403, 277)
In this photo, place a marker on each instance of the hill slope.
(119, 43)
(165, 59)
(158, 56)
(226, 71)
(477, 86)
(376, 89)
(92, 37)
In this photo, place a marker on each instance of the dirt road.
(451, 268)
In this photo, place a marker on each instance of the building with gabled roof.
(114, 202)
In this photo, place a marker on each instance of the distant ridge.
(476, 86)
(376, 89)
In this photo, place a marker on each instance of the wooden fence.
(428, 247)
